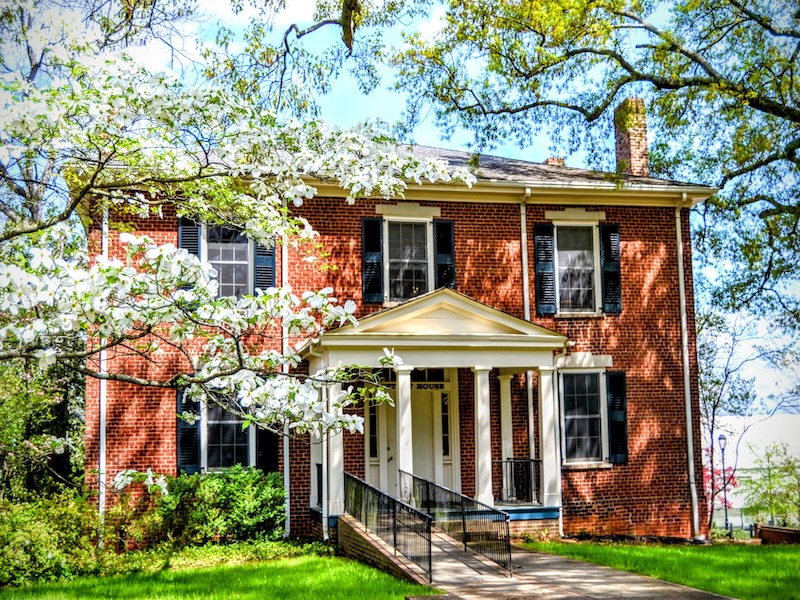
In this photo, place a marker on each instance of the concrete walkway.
(542, 576)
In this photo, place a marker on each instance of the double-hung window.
(594, 417)
(404, 258)
(241, 264)
(215, 440)
(228, 251)
(408, 263)
(577, 268)
(227, 443)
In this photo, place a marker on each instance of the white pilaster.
(549, 440)
(335, 464)
(405, 449)
(483, 437)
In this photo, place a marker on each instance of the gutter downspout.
(561, 353)
(687, 393)
(102, 393)
(526, 307)
(323, 493)
(285, 370)
(326, 438)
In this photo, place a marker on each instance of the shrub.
(57, 537)
(235, 504)
(48, 539)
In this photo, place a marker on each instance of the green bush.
(232, 505)
(48, 539)
(56, 537)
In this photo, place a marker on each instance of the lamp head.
(723, 441)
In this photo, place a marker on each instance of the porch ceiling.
(441, 329)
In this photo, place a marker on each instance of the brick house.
(545, 318)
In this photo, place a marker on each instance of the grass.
(744, 571)
(309, 576)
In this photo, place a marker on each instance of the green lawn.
(311, 577)
(744, 571)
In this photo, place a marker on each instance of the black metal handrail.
(482, 528)
(405, 528)
(520, 477)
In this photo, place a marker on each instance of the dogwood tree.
(89, 132)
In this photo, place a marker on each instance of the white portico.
(436, 335)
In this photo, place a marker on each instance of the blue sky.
(345, 105)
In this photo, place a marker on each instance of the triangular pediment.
(443, 329)
(447, 313)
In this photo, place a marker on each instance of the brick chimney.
(554, 161)
(630, 128)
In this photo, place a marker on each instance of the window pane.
(373, 431)
(408, 260)
(228, 444)
(445, 425)
(582, 418)
(575, 248)
(228, 253)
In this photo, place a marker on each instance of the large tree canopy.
(721, 79)
(722, 83)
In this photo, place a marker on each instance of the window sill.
(586, 466)
(579, 315)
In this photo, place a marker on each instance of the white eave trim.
(537, 192)
(417, 340)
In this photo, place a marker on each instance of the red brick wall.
(648, 495)
(353, 449)
(466, 415)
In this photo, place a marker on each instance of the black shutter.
(609, 258)
(264, 267)
(189, 235)
(445, 257)
(544, 255)
(372, 259)
(188, 437)
(617, 418)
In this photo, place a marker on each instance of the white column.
(405, 449)
(549, 438)
(483, 437)
(506, 423)
(335, 464)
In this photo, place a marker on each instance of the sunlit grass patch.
(745, 571)
(310, 577)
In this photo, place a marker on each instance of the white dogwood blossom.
(112, 138)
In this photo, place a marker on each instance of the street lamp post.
(723, 441)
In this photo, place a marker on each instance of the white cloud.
(430, 29)
(296, 11)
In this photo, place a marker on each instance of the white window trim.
(603, 460)
(429, 255)
(251, 256)
(598, 292)
(251, 444)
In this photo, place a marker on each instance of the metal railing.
(520, 477)
(405, 528)
(480, 527)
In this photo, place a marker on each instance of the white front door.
(427, 461)
(434, 432)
